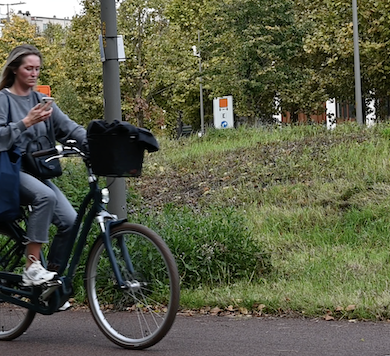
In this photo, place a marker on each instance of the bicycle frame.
(133, 305)
(77, 244)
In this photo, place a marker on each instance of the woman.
(28, 120)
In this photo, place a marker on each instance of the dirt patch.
(255, 168)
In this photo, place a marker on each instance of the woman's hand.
(37, 114)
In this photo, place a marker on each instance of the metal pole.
(112, 95)
(201, 90)
(8, 5)
(358, 86)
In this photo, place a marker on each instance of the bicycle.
(131, 277)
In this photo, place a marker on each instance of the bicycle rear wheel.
(14, 320)
(139, 315)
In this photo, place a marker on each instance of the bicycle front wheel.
(139, 314)
(14, 320)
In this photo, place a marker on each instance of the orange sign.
(44, 89)
(223, 103)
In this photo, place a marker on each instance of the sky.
(43, 8)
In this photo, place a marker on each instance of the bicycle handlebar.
(60, 151)
(49, 152)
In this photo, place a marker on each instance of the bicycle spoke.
(14, 320)
(140, 313)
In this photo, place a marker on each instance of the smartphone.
(45, 100)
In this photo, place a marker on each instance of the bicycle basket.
(117, 149)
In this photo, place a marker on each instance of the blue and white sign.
(223, 112)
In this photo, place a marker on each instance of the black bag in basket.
(117, 148)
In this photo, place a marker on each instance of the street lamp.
(197, 54)
(8, 5)
(358, 85)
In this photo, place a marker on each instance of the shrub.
(211, 247)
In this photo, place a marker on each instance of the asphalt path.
(75, 333)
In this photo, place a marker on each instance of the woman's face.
(27, 74)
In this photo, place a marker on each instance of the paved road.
(74, 333)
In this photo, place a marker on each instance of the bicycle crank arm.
(49, 288)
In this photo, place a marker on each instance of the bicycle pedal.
(52, 283)
(48, 289)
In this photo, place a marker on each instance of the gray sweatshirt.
(16, 132)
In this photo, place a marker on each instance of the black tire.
(140, 315)
(14, 320)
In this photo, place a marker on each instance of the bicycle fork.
(106, 231)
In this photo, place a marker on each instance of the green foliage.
(329, 44)
(300, 51)
(316, 200)
(213, 246)
(253, 44)
(69, 102)
(73, 180)
(55, 37)
(141, 22)
(298, 225)
(82, 65)
(16, 32)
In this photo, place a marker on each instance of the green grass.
(275, 220)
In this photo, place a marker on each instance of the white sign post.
(331, 114)
(223, 112)
(371, 111)
(277, 116)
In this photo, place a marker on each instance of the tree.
(254, 52)
(298, 50)
(16, 32)
(55, 37)
(83, 86)
(142, 23)
(329, 45)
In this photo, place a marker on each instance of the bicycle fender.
(109, 224)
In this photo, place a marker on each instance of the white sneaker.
(36, 275)
(66, 306)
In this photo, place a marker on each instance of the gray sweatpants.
(49, 205)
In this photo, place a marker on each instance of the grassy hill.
(316, 202)
(291, 220)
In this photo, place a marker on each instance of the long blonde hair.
(14, 61)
